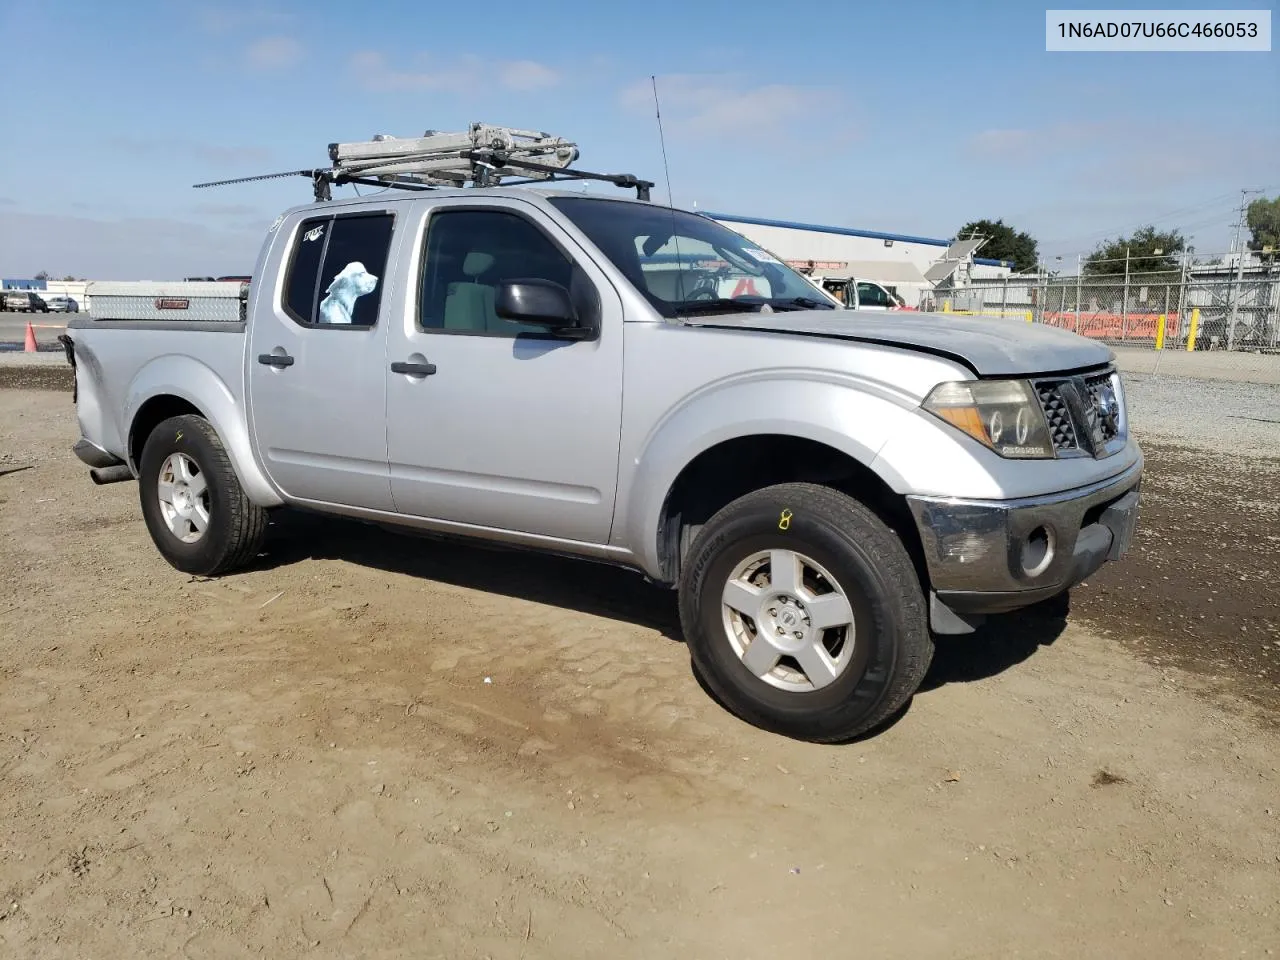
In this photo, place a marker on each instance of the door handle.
(275, 359)
(414, 369)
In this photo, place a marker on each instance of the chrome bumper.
(991, 556)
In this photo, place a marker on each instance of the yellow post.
(1160, 333)
(1029, 316)
(1195, 326)
(946, 306)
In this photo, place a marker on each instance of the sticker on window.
(756, 253)
(315, 233)
(351, 283)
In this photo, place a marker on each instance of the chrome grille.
(1057, 415)
(1073, 411)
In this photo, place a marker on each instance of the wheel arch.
(732, 468)
(176, 385)
(819, 427)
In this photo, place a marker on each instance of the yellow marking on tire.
(784, 521)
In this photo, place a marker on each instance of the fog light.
(1037, 552)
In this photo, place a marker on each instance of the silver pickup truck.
(825, 488)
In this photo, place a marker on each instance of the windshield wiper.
(800, 303)
(719, 305)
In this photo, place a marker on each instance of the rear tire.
(844, 605)
(197, 513)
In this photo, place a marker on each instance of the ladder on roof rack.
(481, 157)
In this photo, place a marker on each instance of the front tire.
(197, 513)
(804, 614)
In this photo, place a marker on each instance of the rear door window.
(337, 270)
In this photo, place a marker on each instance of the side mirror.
(540, 302)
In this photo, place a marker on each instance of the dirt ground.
(382, 746)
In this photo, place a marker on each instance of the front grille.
(1073, 411)
(1057, 415)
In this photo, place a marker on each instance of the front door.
(497, 424)
(317, 364)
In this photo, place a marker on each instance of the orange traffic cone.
(30, 345)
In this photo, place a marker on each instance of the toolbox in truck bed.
(187, 301)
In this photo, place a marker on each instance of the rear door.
(317, 362)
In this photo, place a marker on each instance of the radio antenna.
(666, 169)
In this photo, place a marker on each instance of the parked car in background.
(24, 301)
(63, 304)
(860, 294)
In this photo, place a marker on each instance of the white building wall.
(788, 243)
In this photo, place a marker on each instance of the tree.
(1263, 218)
(1003, 243)
(1149, 251)
(43, 275)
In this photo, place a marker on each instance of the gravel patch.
(1213, 415)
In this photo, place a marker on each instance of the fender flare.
(190, 380)
(854, 419)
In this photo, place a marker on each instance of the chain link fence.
(1167, 310)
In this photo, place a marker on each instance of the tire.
(862, 683)
(233, 526)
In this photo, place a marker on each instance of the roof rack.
(483, 156)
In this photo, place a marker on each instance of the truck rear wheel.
(195, 509)
(804, 614)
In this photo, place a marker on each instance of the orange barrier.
(1115, 326)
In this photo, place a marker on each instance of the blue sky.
(910, 117)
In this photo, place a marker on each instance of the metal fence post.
(1124, 300)
(1182, 294)
(1078, 272)
(1237, 287)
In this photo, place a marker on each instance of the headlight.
(1004, 415)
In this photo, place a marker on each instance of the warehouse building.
(912, 267)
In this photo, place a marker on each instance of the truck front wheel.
(195, 509)
(804, 614)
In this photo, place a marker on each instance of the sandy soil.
(382, 746)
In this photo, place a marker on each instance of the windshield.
(684, 263)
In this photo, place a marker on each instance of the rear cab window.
(336, 270)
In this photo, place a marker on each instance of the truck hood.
(990, 347)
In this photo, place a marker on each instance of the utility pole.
(1238, 247)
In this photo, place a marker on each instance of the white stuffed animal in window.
(351, 283)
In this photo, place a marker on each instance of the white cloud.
(528, 75)
(221, 19)
(273, 53)
(465, 74)
(727, 105)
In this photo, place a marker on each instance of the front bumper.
(992, 556)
